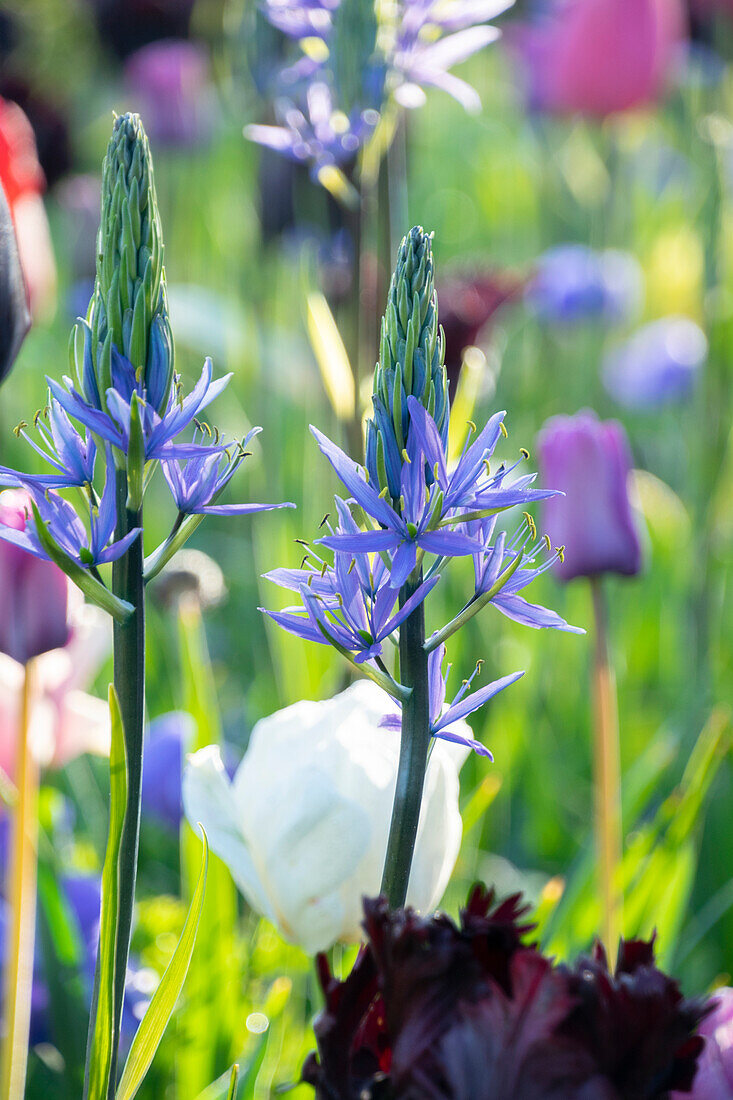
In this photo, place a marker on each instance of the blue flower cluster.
(353, 61)
(397, 531)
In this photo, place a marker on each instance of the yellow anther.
(310, 579)
(303, 561)
(504, 432)
(561, 553)
(37, 416)
(324, 520)
(435, 471)
(405, 456)
(324, 567)
(548, 544)
(488, 467)
(524, 452)
(302, 542)
(471, 425)
(385, 492)
(479, 664)
(19, 428)
(352, 567)
(216, 435)
(465, 683)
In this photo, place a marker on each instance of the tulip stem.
(414, 745)
(607, 781)
(21, 895)
(129, 681)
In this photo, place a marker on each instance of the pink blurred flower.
(43, 617)
(599, 57)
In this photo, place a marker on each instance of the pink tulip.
(65, 722)
(599, 57)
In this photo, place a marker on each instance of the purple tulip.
(33, 593)
(714, 1077)
(589, 461)
(658, 365)
(169, 82)
(167, 742)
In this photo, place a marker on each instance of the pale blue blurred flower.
(659, 365)
(574, 283)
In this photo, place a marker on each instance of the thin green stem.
(129, 681)
(21, 895)
(607, 779)
(414, 746)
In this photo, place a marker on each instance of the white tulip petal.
(207, 798)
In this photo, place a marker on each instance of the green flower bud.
(411, 362)
(129, 307)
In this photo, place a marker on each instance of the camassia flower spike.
(126, 396)
(407, 514)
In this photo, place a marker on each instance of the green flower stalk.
(129, 307)
(411, 362)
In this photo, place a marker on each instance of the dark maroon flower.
(467, 304)
(436, 1011)
(635, 1022)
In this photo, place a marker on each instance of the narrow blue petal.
(117, 549)
(363, 542)
(448, 543)
(349, 473)
(238, 509)
(477, 699)
(459, 739)
(529, 614)
(409, 606)
(403, 564)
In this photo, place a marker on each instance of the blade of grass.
(101, 1024)
(160, 1010)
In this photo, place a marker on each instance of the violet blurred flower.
(15, 319)
(714, 1077)
(473, 1012)
(590, 462)
(33, 593)
(170, 85)
(166, 744)
(659, 365)
(599, 57)
(574, 283)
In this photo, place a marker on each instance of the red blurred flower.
(471, 1012)
(23, 181)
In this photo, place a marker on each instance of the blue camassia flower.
(158, 431)
(442, 719)
(320, 134)
(509, 558)
(471, 484)
(87, 549)
(66, 449)
(403, 533)
(198, 480)
(349, 603)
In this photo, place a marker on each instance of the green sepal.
(135, 456)
(93, 589)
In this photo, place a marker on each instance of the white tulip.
(303, 826)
